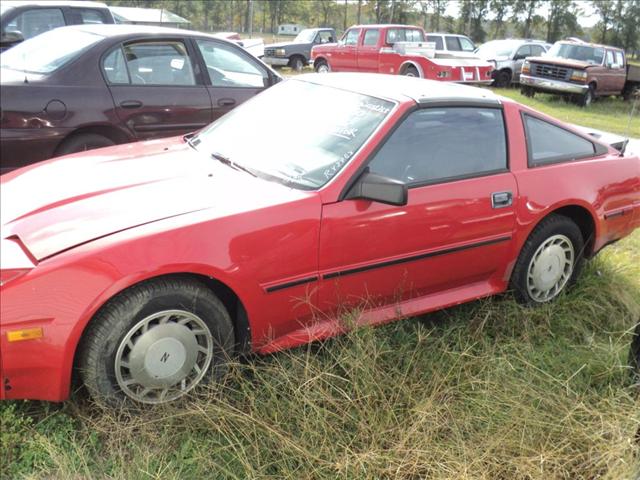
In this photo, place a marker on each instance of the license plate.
(468, 75)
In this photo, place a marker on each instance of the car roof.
(53, 3)
(400, 88)
(448, 34)
(384, 25)
(115, 30)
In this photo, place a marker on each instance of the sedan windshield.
(305, 36)
(298, 133)
(497, 49)
(49, 51)
(583, 53)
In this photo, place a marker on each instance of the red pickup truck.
(399, 50)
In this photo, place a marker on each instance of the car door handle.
(501, 199)
(226, 102)
(131, 104)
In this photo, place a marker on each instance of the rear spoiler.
(615, 141)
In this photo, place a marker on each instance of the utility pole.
(250, 18)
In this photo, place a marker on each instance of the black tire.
(411, 72)
(528, 92)
(322, 66)
(552, 226)
(588, 97)
(634, 357)
(296, 63)
(113, 324)
(83, 142)
(503, 79)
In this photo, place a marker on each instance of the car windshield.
(305, 36)
(49, 51)
(297, 133)
(496, 48)
(584, 53)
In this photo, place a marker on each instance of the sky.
(588, 18)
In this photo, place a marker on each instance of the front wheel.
(528, 92)
(587, 97)
(322, 67)
(296, 64)
(503, 79)
(155, 342)
(411, 72)
(549, 262)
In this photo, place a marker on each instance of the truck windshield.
(305, 147)
(48, 51)
(583, 53)
(305, 36)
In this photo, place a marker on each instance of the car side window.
(453, 43)
(523, 52)
(115, 68)
(325, 37)
(467, 45)
(548, 143)
(34, 22)
(351, 37)
(437, 39)
(610, 60)
(229, 68)
(427, 148)
(88, 16)
(371, 37)
(620, 59)
(536, 50)
(164, 62)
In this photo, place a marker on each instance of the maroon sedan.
(88, 86)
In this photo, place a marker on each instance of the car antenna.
(24, 70)
(633, 109)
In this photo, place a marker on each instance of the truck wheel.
(503, 79)
(411, 72)
(296, 64)
(322, 67)
(588, 97)
(629, 90)
(83, 142)
(550, 260)
(155, 342)
(528, 92)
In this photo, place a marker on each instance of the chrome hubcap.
(550, 268)
(163, 356)
(323, 69)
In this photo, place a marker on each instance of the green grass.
(608, 114)
(486, 390)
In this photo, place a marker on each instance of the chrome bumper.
(276, 61)
(552, 85)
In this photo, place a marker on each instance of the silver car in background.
(508, 56)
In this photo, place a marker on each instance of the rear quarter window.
(548, 143)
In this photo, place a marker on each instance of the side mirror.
(10, 38)
(377, 188)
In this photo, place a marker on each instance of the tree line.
(482, 20)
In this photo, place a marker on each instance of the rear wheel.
(549, 262)
(155, 342)
(411, 72)
(83, 142)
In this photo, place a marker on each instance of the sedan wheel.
(163, 356)
(550, 260)
(550, 268)
(155, 342)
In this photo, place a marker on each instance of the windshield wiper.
(232, 164)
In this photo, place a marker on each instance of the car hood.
(565, 62)
(56, 205)
(282, 45)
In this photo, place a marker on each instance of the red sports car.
(147, 266)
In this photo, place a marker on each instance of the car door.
(522, 52)
(454, 232)
(615, 73)
(368, 51)
(344, 56)
(233, 74)
(157, 88)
